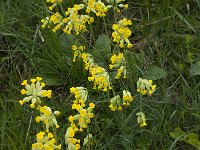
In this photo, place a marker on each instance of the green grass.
(159, 36)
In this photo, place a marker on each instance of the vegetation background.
(166, 37)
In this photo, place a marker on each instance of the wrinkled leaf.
(67, 41)
(195, 69)
(102, 48)
(195, 143)
(155, 73)
(177, 134)
(48, 71)
(193, 136)
(144, 143)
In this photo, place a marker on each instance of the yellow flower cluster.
(116, 4)
(117, 104)
(45, 141)
(99, 75)
(55, 19)
(89, 61)
(54, 3)
(141, 119)
(118, 61)
(81, 119)
(77, 51)
(97, 7)
(87, 139)
(75, 21)
(145, 86)
(45, 22)
(48, 117)
(80, 94)
(34, 91)
(122, 32)
(72, 22)
(127, 98)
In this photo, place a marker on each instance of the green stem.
(88, 132)
(141, 103)
(92, 33)
(104, 22)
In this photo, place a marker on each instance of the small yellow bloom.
(43, 84)
(24, 82)
(71, 119)
(33, 80)
(92, 105)
(141, 119)
(21, 102)
(37, 119)
(23, 91)
(38, 78)
(32, 105)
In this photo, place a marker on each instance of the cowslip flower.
(45, 141)
(79, 121)
(115, 103)
(116, 4)
(76, 22)
(141, 119)
(48, 117)
(88, 140)
(97, 7)
(77, 51)
(122, 33)
(72, 143)
(145, 86)
(89, 61)
(45, 22)
(80, 94)
(34, 91)
(118, 61)
(54, 3)
(127, 98)
(101, 78)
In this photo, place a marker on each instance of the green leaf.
(67, 41)
(177, 134)
(195, 143)
(134, 63)
(193, 136)
(48, 71)
(102, 48)
(143, 143)
(195, 69)
(155, 73)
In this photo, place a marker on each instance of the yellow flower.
(24, 82)
(21, 102)
(141, 119)
(92, 105)
(33, 80)
(38, 78)
(23, 91)
(122, 33)
(40, 135)
(145, 86)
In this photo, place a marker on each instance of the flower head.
(145, 86)
(141, 119)
(34, 92)
(122, 33)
